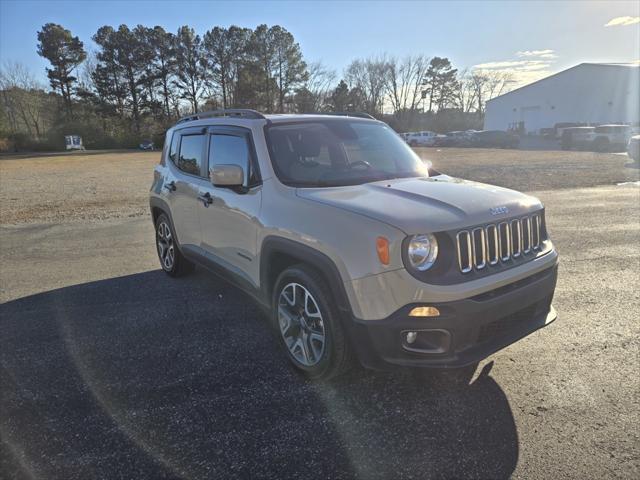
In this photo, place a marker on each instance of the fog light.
(424, 312)
(430, 341)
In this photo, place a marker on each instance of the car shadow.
(147, 376)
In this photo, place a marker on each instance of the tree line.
(139, 80)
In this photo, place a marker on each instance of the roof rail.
(228, 112)
(352, 114)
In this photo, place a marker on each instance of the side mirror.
(226, 176)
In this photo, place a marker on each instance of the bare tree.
(488, 84)
(26, 105)
(404, 85)
(369, 77)
(465, 94)
(319, 86)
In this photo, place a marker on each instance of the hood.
(420, 205)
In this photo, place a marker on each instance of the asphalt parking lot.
(110, 369)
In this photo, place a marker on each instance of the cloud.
(622, 21)
(537, 53)
(534, 66)
(513, 64)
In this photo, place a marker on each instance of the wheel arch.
(278, 253)
(158, 207)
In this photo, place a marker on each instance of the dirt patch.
(97, 186)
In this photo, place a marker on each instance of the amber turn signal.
(424, 312)
(382, 247)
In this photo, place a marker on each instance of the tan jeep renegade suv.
(350, 243)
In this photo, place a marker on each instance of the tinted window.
(229, 150)
(190, 158)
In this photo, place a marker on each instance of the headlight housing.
(422, 251)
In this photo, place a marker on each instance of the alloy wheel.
(301, 324)
(166, 247)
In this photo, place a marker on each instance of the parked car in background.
(633, 148)
(548, 133)
(495, 139)
(560, 127)
(146, 145)
(575, 137)
(441, 141)
(421, 139)
(458, 138)
(606, 138)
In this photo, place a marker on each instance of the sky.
(529, 39)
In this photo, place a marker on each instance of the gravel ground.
(110, 369)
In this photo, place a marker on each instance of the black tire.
(180, 265)
(413, 143)
(337, 355)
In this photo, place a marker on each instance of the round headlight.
(422, 251)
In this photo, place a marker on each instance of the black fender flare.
(160, 204)
(274, 245)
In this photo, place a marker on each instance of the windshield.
(340, 152)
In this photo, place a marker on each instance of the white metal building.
(592, 93)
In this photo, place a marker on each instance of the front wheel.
(309, 325)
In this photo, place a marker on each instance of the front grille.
(491, 244)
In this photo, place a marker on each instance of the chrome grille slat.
(492, 244)
(535, 241)
(504, 240)
(516, 238)
(478, 239)
(465, 261)
(526, 234)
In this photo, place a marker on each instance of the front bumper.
(466, 331)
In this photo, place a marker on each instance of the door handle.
(171, 186)
(205, 198)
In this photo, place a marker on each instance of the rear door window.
(190, 157)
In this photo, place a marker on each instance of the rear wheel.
(171, 259)
(309, 325)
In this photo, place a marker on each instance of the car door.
(229, 222)
(183, 183)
